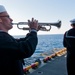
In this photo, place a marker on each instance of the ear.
(0, 20)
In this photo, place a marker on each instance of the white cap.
(72, 21)
(2, 9)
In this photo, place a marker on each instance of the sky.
(47, 11)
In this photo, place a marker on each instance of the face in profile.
(5, 21)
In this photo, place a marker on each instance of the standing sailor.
(69, 43)
(12, 51)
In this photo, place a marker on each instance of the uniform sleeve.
(29, 45)
(64, 40)
(19, 50)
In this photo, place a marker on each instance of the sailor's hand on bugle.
(33, 24)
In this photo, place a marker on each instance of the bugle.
(42, 25)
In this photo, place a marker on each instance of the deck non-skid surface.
(57, 66)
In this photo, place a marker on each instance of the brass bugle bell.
(43, 25)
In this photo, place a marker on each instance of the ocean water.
(47, 44)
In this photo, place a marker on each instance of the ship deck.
(57, 66)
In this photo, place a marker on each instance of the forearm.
(18, 50)
(28, 46)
